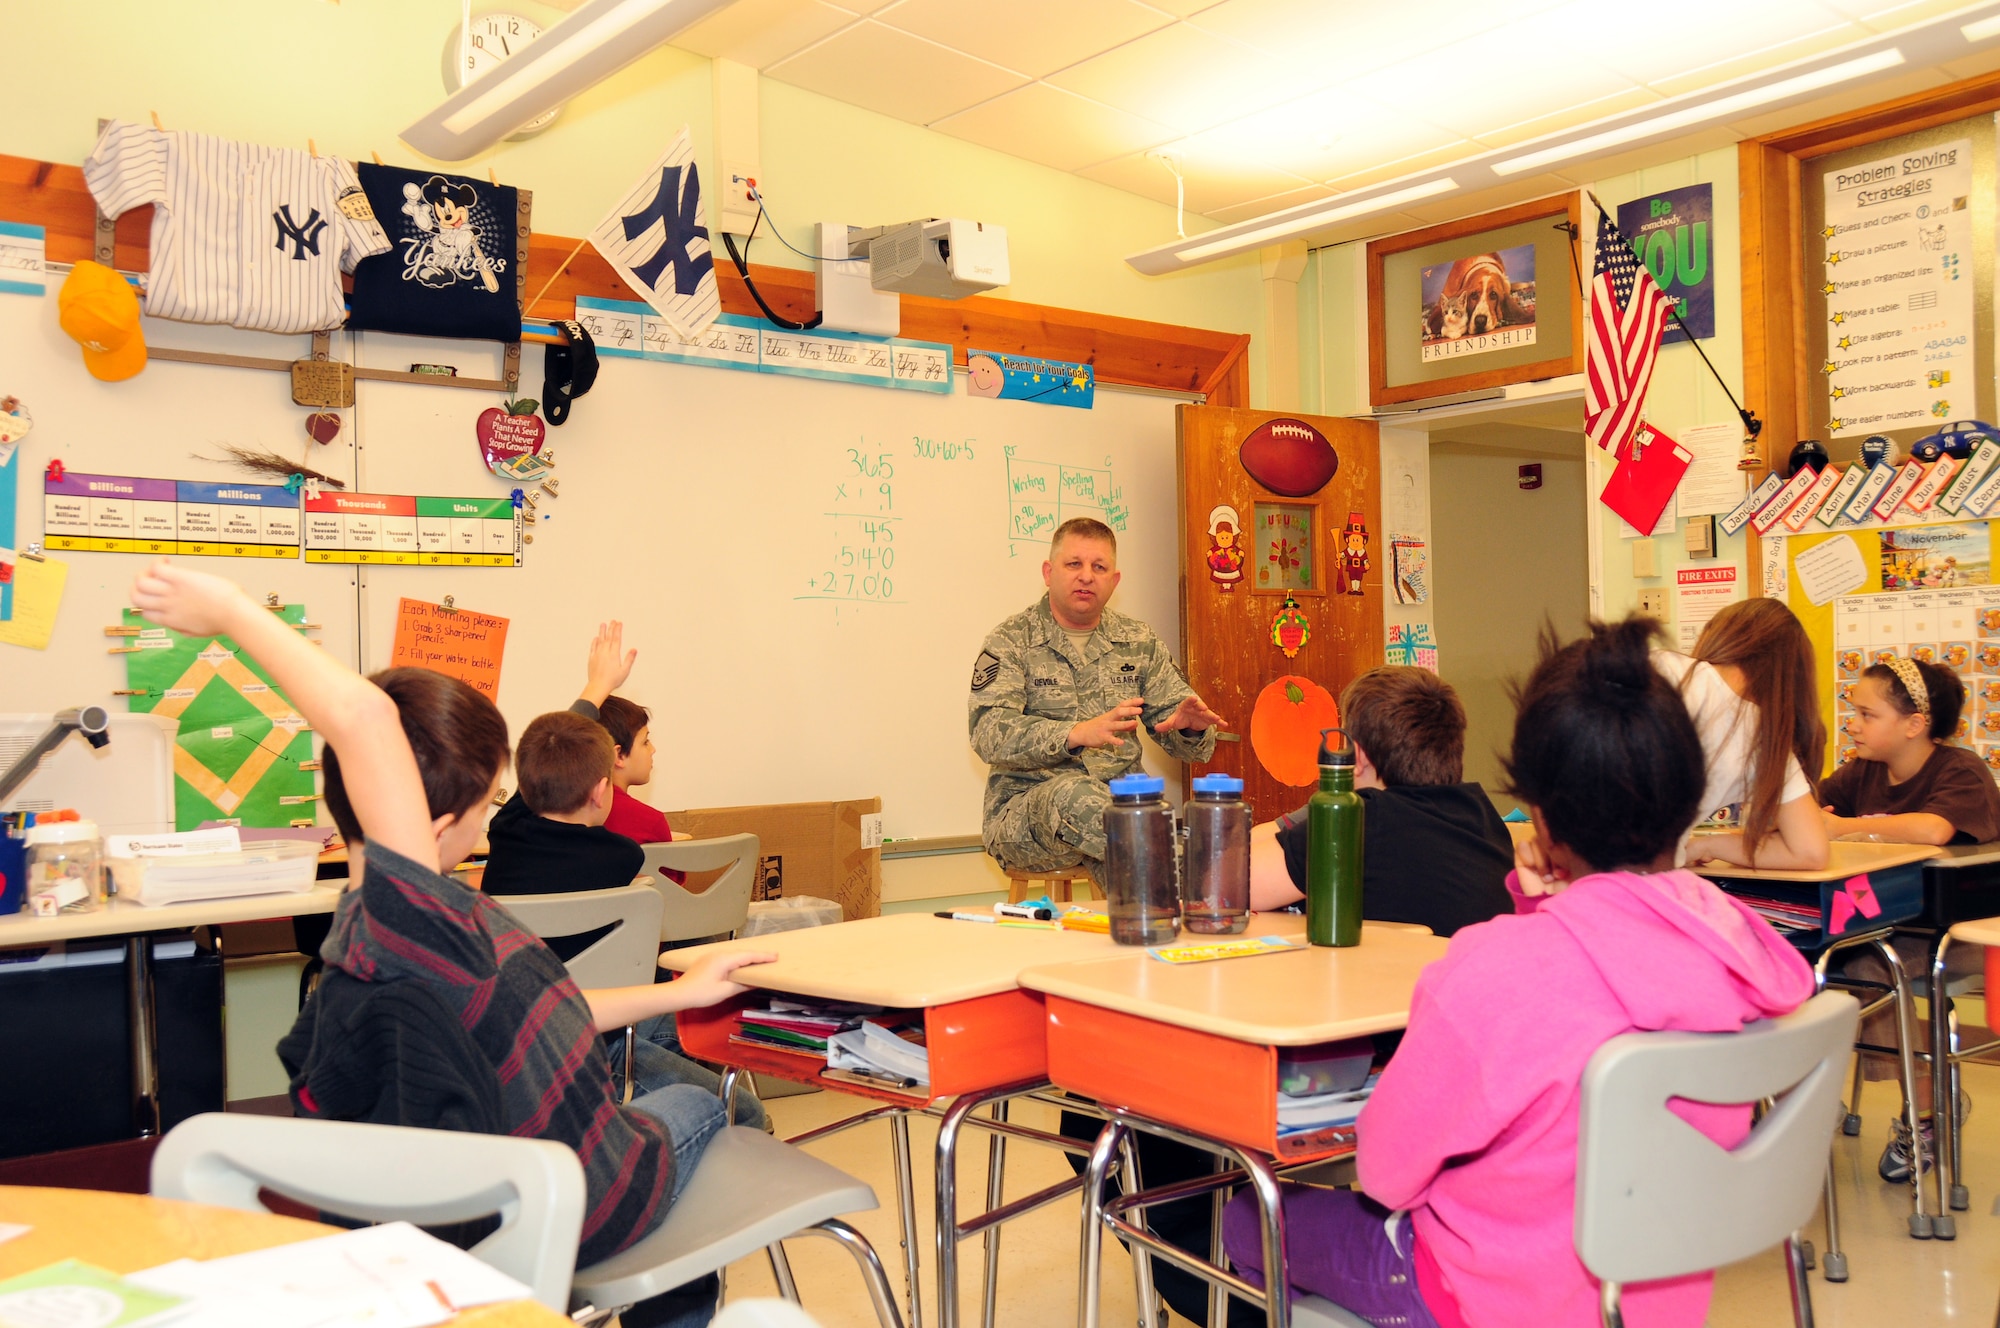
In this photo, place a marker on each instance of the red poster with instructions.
(1649, 471)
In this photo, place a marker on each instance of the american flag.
(1627, 314)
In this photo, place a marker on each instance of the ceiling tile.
(1690, 37)
(891, 72)
(1570, 117)
(1401, 166)
(1184, 8)
(1209, 184)
(1344, 40)
(762, 32)
(1321, 136)
(1885, 15)
(1038, 36)
(1258, 207)
(1531, 68)
(1056, 128)
(1185, 77)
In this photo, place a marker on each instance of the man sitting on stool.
(1058, 691)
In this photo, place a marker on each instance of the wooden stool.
(1055, 883)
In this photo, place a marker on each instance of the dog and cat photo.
(1479, 303)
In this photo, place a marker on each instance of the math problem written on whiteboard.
(861, 565)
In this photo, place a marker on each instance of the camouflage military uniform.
(1045, 804)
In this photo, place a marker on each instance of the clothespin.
(500, 796)
(491, 178)
(376, 155)
(121, 631)
(312, 488)
(546, 491)
(156, 121)
(55, 470)
(517, 497)
(131, 691)
(123, 650)
(447, 605)
(33, 553)
(312, 147)
(293, 481)
(272, 602)
(312, 765)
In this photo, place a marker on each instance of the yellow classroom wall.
(349, 75)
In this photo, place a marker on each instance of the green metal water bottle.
(1333, 849)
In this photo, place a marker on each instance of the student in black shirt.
(1435, 852)
(550, 837)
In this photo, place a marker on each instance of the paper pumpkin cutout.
(1285, 725)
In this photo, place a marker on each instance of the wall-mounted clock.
(495, 37)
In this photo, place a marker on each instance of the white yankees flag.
(656, 240)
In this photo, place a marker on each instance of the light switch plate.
(1653, 603)
(1645, 558)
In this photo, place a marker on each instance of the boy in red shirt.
(630, 727)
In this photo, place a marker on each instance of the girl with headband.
(1906, 785)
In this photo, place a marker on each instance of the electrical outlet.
(1653, 603)
(736, 210)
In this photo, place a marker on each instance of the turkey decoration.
(1289, 630)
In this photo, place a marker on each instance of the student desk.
(986, 1039)
(136, 923)
(124, 1233)
(1190, 1052)
(1961, 899)
(1847, 860)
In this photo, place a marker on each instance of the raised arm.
(352, 715)
(609, 664)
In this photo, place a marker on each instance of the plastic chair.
(391, 1173)
(749, 1192)
(1655, 1198)
(717, 911)
(626, 956)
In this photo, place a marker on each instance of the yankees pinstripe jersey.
(244, 234)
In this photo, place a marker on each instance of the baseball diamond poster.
(1896, 270)
(1673, 233)
(1479, 303)
(243, 753)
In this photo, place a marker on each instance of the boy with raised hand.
(1436, 853)
(438, 1009)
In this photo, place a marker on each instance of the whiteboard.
(807, 568)
(158, 425)
(694, 505)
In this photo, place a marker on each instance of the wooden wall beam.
(1125, 351)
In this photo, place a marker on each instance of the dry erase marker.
(966, 917)
(1024, 911)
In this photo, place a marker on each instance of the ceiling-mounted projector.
(947, 259)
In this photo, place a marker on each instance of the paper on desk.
(873, 1047)
(38, 592)
(390, 1276)
(9, 1230)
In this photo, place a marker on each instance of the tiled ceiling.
(1264, 104)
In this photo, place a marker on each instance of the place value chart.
(125, 514)
(382, 528)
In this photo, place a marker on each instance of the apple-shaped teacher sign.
(506, 435)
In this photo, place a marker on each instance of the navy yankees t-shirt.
(449, 271)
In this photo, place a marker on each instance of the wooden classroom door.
(1282, 573)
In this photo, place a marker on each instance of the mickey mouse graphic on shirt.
(445, 250)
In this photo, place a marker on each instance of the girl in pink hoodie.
(1468, 1146)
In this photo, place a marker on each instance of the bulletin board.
(1955, 622)
(806, 568)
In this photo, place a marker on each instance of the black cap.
(568, 370)
(1342, 755)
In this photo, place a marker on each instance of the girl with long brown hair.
(1763, 735)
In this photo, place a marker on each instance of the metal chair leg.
(1850, 1124)
(1609, 1311)
(1131, 1181)
(1922, 1227)
(1270, 1204)
(781, 1271)
(1833, 1260)
(1218, 1299)
(996, 1188)
(1795, 1269)
(906, 1202)
(880, 1294)
(1110, 1143)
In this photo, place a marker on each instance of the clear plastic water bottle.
(1217, 880)
(1141, 886)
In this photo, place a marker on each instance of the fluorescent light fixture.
(594, 42)
(1980, 29)
(1300, 223)
(1701, 112)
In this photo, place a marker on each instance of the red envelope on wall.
(1649, 471)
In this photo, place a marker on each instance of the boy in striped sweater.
(510, 1044)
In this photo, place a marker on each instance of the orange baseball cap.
(100, 309)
